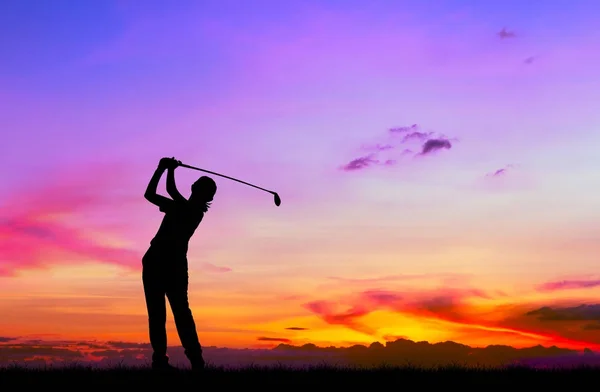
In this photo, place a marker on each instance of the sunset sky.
(437, 163)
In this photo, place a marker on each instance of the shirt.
(177, 227)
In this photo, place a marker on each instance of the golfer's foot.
(198, 366)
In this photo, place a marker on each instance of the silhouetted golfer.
(165, 267)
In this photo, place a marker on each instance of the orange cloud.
(466, 313)
(327, 311)
(444, 304)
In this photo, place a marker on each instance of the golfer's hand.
(164, 163)
(169, 163)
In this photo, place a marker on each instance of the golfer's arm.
(172, 188)
(151, 194)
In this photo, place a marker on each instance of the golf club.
(276, 197)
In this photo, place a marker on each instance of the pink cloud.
(329, 312)
(38, 223)
(568, 285)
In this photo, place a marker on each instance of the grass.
(286, 378)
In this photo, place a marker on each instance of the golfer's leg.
(184, 320)
(157, 314)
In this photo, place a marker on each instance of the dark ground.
(283, 379)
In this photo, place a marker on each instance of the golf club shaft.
(230, 178)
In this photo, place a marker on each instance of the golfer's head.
(204, 188)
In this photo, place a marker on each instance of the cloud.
(377, 147)
(296, 329)
(89, 345)
(280, 340)
(467, 313)
(420, 136)
(37, 220)
(576, 313)
(504, 34)
(4, 339)
(123, 345)
(530, 60)
(443, 304)
(511, 177)
(25, 351)
(501, 171)
(429, 141)
(360, 163)
(329, 313)
(433, 145)
(31, 240)
(568, 285)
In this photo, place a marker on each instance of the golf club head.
(277, 199)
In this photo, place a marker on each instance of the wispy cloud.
(446, 304)
(504, 34)
(502, 171)
(419, 136)
(377, 147)
(123, 345)
(296, 329)
(508, 178)
(428, 142)
(268, 339)
(568, 285)
(575, 313)
(360, 163)
(37, 221)
(404, 129)
(329, 313)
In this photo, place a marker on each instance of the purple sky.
(470, 128)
